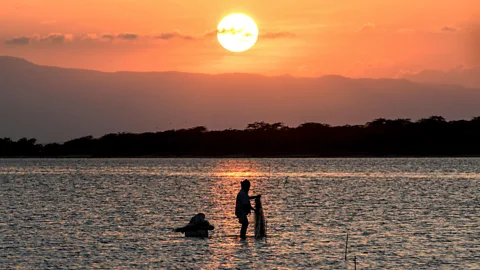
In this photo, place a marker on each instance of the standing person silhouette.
(243, 207)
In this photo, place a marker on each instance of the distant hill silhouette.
(459, 76)
(58, 104)
(433, 136)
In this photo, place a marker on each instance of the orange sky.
(367, 38)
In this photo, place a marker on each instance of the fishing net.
(260, 223)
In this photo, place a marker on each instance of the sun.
(237, 32)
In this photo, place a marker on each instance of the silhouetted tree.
(380, 137)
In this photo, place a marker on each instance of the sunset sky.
(367, 38)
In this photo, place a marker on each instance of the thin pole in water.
(355, 262)
(5, 179)
(265, 237)
(346, 247)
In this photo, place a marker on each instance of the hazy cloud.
(210, 33)
(18, 41)
(367, 27)
(449, 29)
(171, 35)
(372, 28)
(275, 35)
(89, 37)
(56, 38)
(266, 35)
(127, 36)
(232, 31)
(108, 36)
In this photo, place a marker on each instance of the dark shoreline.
(240, 157)
(381, 138)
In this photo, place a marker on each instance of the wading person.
(243, 207)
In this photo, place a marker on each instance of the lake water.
(120, 213)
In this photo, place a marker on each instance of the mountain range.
(457, 76)
(55, 104)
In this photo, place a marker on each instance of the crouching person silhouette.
(197, 227)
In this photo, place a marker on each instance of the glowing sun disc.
(237, 32)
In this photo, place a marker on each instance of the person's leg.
(243, 230)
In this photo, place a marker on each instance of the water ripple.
(120, 213)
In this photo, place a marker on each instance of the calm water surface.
(120, 213)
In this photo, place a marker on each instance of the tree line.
(433, 136)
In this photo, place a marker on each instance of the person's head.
(245, 185)
(198, 218)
